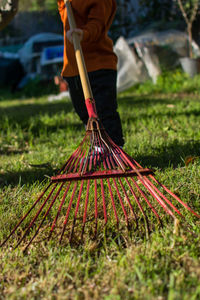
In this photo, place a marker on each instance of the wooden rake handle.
(79, 54)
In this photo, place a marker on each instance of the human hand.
(70, 32)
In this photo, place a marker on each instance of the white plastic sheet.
(153, 49)
(131, 70)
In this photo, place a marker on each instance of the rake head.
(97, 183)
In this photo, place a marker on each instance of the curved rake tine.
(129, 203)
(72, 157)
(147, 201)
(46, 214)
(113, 203)
(76, 212)
(25, 216)
(121, 202)
(149, 186)
(104, 202)
(175, 197)
(59, 210)
(165, 198)
(156, 196)
(85, 209)
(170, 192)
(110, 190)
(140, 207)
(87, 159)
(76, 155)
(36, 216)
(96, 206)
(119, 163)
(75, 158)
(68, 211)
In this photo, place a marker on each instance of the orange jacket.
(94, 17)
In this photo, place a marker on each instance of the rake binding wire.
(98, 183)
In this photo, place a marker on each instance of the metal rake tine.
(76, 211)
(76, 157)
(149, 188)
(129, 202)
(113, 203)
(104, 202)
(165, 198)
(121, 202)
(120, 150)
(87, 158)
(76, 162)
(119, 163)
(156, 196)
(46, 214)
(59, 210)
(85, 209)
(170, 192)
(36, 216)
(82, 160)
(139, 205)
(110, 190)
(68, 211)
(72, 157)
(175, 197)
(147, 201)
(25, 216)
(96, 206)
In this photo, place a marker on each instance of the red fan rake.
(98, 183)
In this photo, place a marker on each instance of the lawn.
(161, 129)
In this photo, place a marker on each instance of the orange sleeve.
(99, 17)
(61, 9)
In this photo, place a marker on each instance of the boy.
(93, 20)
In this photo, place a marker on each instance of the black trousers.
(103, 84)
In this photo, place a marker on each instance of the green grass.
(161, 129)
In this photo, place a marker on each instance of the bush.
(170, 82)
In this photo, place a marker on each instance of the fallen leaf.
(190, 159)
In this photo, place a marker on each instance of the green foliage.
(188, 6)
(189, 9)
(170, 82)
(51, 5)
(36, 87)
(38, 5)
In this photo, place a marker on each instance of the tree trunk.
(8, 10)
(189, 30)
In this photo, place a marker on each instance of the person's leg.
(103, 83)
(77, 97)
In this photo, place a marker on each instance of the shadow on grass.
(9, 151)
(26, 177)
(147, 100)
(28, 117)
(34, 88)
(128, 104)
(22, 113)
(172, 155)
